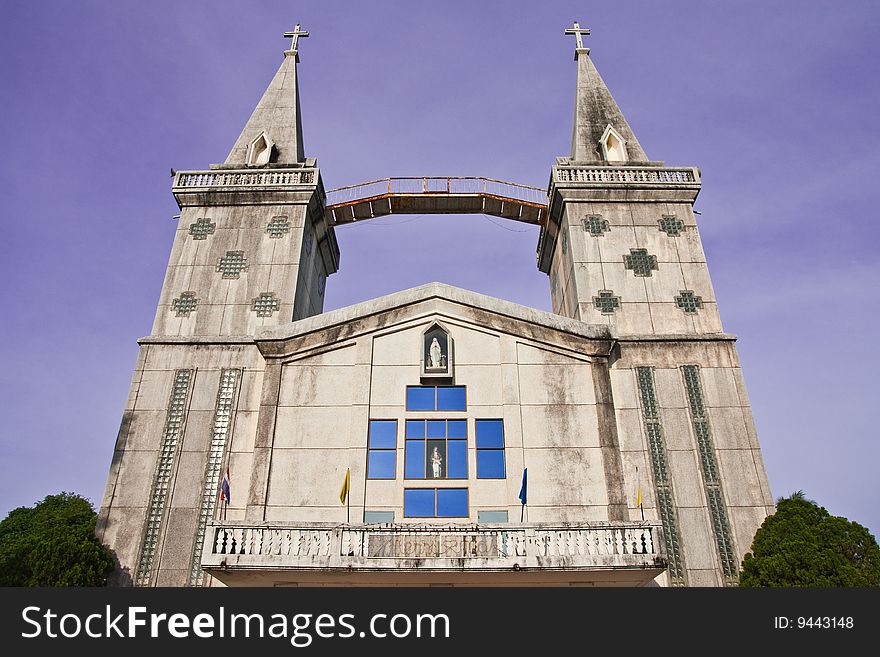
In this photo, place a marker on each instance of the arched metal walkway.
(436, 195)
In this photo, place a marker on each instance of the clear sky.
(776, 102)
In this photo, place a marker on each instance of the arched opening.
(260, 150)
(613, 146)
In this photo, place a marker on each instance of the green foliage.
(53, 544)
(803, 545)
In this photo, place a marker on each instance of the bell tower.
(252, 248)
(622, 248)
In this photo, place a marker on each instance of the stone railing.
(243, 178)
(376, 547)
(627, 175)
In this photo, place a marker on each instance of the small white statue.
(436, 462)
(435, 356)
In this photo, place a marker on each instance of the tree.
(804, 545)
(53, 544)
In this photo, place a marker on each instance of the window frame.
(393, 450)
(424, 440)
(436, 407)
(480, 450)
(436, 492)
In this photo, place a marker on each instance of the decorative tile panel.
(222, 428)
(689, 302)
(175, 420)
(671, 225)
(232, 264)
(640, 262)
(278, 227)
(202, 228)
(183, 305)
(662, 481)
(596, 226)
(265, 304)
(711, 477)
(606, 302)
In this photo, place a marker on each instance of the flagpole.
(348, 507)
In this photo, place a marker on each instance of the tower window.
(260, 150)
(613, 145)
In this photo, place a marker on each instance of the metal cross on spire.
(579, 33)
(297, 33)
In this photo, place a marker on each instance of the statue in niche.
(437, 360)
(436, 463)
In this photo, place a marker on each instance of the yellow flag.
(346, 485)
(639, 495)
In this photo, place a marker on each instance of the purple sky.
(777, 103)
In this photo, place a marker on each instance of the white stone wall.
(544, 395)
(647, 303)
(273, 265)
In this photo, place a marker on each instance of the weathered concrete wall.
(131, 482)
(583, 264)
(543, 393)
(281, 258)
(746, 491)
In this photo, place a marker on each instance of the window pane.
(371, 517)
(436, 428)
(457, 428)
(415, 459)
(418, 502)
(452, 503)
(490, 433)
(491, 516)
(490, 464)
(420, 398)
(380, 463)
(415, 428)
(457, 465)
(383, 434)
(451, 398)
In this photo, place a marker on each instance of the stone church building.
(621, 418)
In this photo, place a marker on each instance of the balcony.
(601, 554)
(244, 186)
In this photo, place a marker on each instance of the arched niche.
(437, 358)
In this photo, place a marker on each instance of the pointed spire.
(594, 111)
(276, 117)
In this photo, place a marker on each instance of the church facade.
(436, 435)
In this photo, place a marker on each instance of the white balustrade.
(343, 545)
(627, 175)
(244, 178)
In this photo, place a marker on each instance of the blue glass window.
(421, 398)
(490, 449)
(436, 449)
(451, 398)
(382, 449)
(436, 398)
(452, 503)
(419, 502)
(435, 503)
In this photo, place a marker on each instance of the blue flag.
(523, 491)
